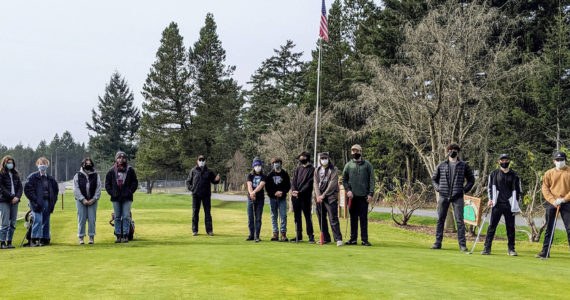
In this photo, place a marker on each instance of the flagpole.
(317, 107)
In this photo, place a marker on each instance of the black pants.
(359, 210)
(442, 207)
(550, 214)
(501, 209)
(207, 202)
(302, 205)
(330, 208)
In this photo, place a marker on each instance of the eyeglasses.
(201, 159)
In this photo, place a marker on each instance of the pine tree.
(115, 122)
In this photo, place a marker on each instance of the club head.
(469, 253)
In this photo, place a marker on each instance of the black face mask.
(356, 155)
(303, 161)
(453, 154)
(505, 165)
(88, 168)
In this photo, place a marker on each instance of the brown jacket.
(556, 184)
(331, 192)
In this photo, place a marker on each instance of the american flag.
(324, 30)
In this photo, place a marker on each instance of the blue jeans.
(258, 211)
(8, 214)
(86, 213)
(278, 206)
(122, 216)
(40, 227)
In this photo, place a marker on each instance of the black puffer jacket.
(452, 190)
(199, 181)
(125, 192)
(6, 188)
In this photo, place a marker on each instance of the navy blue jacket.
(6, 188)
(34, 190)
(448, 190)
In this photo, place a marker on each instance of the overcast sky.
(57, 56)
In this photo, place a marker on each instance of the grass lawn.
(165, 261)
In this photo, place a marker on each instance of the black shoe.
(3, 245)
(462, 248)
(210, 233)
(118, 240)
(125, 238)
(512, 252)
(9, 245)
(249, 238)
(366, 243)
(296, 240)
(435, 246)
(486, 251)
(350, 242)
(326, 242)
(45, 242)
(311, 239)
(542, 254)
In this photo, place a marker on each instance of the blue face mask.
(42, 167)
(277, 166)
(10, 166)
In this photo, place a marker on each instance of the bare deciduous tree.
(237, 169)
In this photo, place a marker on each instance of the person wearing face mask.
(277, 186)
(358, 180)
(41, 190)
(326, 192)
(301, 192)
(199, 183)
(121, 183)
(452, 179)
(87, 191)
(504, 189)
(10, 193)
(255, 199)
(556, 191)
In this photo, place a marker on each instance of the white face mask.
(560, 164)
(201, 163)
(324, 162)
(257, 169)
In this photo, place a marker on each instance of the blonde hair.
(42, 160)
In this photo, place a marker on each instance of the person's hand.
(558, 201)
(294, 193)
(84, 202)
(91, 202)
(320, 199)
(490, 203)
(15, 200)
(349, 194)
(279, 194)
(217, 177)
(252, 196)
(369, 199)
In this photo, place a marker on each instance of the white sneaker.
(338, 243)
(81, 242)
(91, 239)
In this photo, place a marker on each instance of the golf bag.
(131, 227)
(29, 220)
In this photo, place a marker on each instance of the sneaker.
(125, 239)
(9, 245)
(486, 251)
(91, 240)
(512, 252)
(210, 233)
(462, 248)
(257, 240)
(366, 243)
(541, 254)
(435, 246)
(338, 243)
(81, 242)
(3, 245)
(350, 242)
(118, 240)
(311, 240)
(194, 233)
(249, 238)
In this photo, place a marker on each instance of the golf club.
(552, 233)
(347, 221)
(254, 223)
(322, 218)
(479, 234)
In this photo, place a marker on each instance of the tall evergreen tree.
(167, 109)
(115, 122)
(216, 126)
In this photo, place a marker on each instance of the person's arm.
(519, 188)
(469, 177)
(345, 177)
(135, 182)
(76, 190)
(213, 178)
(332, 184)
(286, 183)
(435, 179)
(259, 187)
(546, 183)
(294, 186)
(189, 180)
(109, 183)
(316, 184)
(97, 195)
(309, 184)
(372, 180)
(18, 187)
(490, 189)
(6, 191)
(270, 187)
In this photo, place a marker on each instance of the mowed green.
(165, 261)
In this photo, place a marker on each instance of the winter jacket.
(199, 181)
(34, 190)
(330, 194)
(358, 177)
(278, 182)
(303, 181)
(6, 187)
(516, 188)
(80, 186)
(556, 184)
(452, 190)
(126, 190)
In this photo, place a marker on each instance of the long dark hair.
(4, 169)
